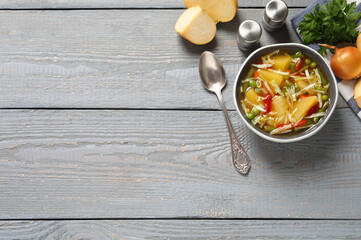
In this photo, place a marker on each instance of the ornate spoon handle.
(240, 158)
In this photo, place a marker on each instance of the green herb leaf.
(333, 23)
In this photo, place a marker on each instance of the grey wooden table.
(107, 133)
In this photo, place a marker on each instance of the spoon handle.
(240, 158)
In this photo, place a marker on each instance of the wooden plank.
(113, 59)
(129, 164)
(181, 229)
(75, 4)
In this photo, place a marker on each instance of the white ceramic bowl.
(292, 47)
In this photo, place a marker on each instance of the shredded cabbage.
(279, 72)
(316, 115)
(319, 100)
(305, 126)
(256, 106)
(262, 65)
(305, 89)
(256, 119)
(276, 87)
(268, 88)
(283, 129)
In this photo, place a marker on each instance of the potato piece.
(219, 10)
(303, 106)
(357, 94)
(196, 26)
(280, 107)
(281, 62)
(302, 84)
(253, 97)
(294, 107)
(269, 76)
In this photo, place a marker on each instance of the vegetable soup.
(285, 92)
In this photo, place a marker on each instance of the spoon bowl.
(212, 72)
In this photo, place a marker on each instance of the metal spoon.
(214, 79)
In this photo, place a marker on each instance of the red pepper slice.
(299, 64)
(268, 107)
(256, 74)
(312, 110)
(267, 103)
(268, 98)
(282, 125)
(299, 75)
(301, 123)
(304, 96)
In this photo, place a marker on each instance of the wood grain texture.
(113, 59)
(173, 229)
(74, 4)
(130, 164)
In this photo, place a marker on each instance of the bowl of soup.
(285, 92)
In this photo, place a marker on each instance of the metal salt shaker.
(275, 15)
(249, 33)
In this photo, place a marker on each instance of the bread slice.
(196, 26)
(219, 10)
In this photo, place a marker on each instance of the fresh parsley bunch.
(333, 23)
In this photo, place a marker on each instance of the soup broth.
(285, 92)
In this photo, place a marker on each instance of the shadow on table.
(312, 156)
(197, 49)
(283, 35)
(231, 26)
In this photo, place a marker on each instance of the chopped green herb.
(332, 23)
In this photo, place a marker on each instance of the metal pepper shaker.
(249, 33)
(275, 15)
